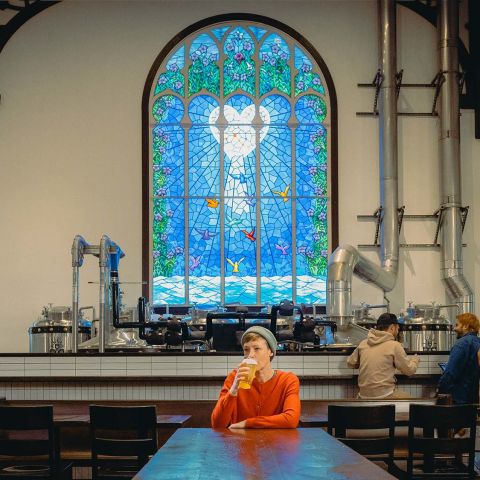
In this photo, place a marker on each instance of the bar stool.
(122, 439)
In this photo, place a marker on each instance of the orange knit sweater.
(273, 404)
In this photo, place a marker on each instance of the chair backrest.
(123, 430)
(380, 417)
(28, 431)
(438, 424)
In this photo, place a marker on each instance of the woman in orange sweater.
(273, 400)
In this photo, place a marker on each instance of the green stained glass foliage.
(172, 78)
(239, 66)
(306, 78)
(203, 73)
(274, 71)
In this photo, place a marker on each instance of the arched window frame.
(146, 157)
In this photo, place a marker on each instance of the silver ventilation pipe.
(346, 260)
(451, 266)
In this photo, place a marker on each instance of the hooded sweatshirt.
(378, 357)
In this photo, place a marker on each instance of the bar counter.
(181, 376)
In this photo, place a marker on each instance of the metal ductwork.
(346, 260)
(456, 286)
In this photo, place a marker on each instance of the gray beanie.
(264, 333)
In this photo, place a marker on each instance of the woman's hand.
(242, 374)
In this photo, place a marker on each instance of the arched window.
(239, 166)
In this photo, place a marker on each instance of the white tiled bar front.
(179, 377)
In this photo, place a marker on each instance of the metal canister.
(52, 332)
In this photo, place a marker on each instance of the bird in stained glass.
(235, 264)
(195, 262)
(249, 235)
(231, 222)
(206, 234)
(212, 202)
(283, 194)
(282, 248)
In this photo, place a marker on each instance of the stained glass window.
(239, 154)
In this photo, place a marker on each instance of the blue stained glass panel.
(258, 32)
(200, 108)
(168, 171)
(204, 253)
(168, 250)
(306, 77)
(172, 78)
(239, 66)
(275, 70)
(203, 71)
(220, 32)
(312, 249)
(276, 250)
(310, 109)
(168, 109)
(278, 108)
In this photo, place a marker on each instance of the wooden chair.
(122, 439)
(439, 424)
(344, 423)
(27, 440)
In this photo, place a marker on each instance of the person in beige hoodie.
(378, 357)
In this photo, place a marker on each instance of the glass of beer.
(247, 383)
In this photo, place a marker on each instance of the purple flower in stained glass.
(283, 56)
(322, 216)
(306, 68)
(312, 137)
(310, 212)
(316, 149)
(178, 250)
(319, 191)
(302, 250)
(177, 85)
(170, 254)
(163, 237)
(312, 170)
(165, 138)
(323, 167)
(194, 56)
(156, 254)
(203, 48)
(239, 57)
(168, 103)
(264, 57)
(161, 149)
(173, 67)
(309, 254)
(275, 48)
(247, 46)
(316, 236)
(310, 103)
(272, 61)
(156, 168)
(161, 192)
(213, 58)
(158, 217)
(167, 170)
(170, 213)
(229, 47)
(162, 79)
(300, 85)
(324, 253)
(316, 81)
(205, 61)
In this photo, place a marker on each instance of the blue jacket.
(461, 375)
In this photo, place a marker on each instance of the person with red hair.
(461, 376)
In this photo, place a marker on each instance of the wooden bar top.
(258, 453)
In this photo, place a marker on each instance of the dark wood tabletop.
(163, 421)
(204, 453)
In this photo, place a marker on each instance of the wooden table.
(203, 453)
(163, 421)
(402, 408)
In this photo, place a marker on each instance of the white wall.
(71, 81)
